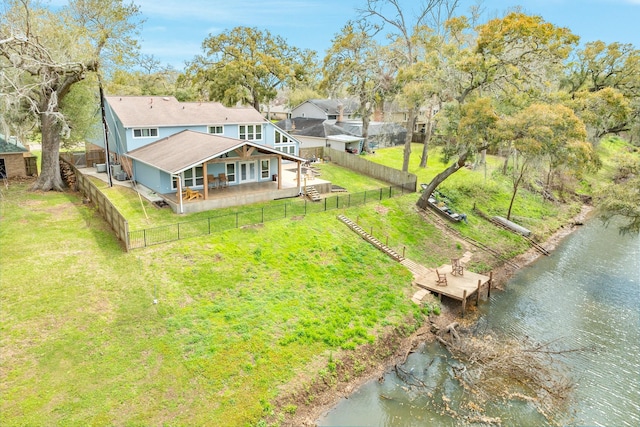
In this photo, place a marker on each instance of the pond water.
(585, 295)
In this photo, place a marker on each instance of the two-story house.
(168, 146)
(326, 109)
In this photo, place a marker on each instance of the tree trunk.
(505, 165)
(438, 179)
(365, 131)
(49, 178)
(407, 143)
(516, 184)
(427, 138)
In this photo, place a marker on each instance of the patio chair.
(224, 181)
(442, 278)
(456, 267)
(212, 181)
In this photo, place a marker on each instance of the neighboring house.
(15, 160)
(314, 134)
(326, 109)
(167, 145)
(275, 112)
(394, 113)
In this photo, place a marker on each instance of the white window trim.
(193, 180)
(215, 126)
(283, 136)
(253, 135)
(235, 172)
(267, 170)
(133, 132)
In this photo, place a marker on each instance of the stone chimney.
(340, 112)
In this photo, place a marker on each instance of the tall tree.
(550, 134)
(357, 63)
(473, 132)
(247, 65)
(517, 51)
(404, 31)
(44, 53)
(604, 80)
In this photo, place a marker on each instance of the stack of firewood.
(68, 175)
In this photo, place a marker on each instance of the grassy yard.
(239, 314)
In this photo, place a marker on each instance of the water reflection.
(586, 295)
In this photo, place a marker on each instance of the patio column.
(205, 172)
(279, 172)
(179, 194)
(299, 173)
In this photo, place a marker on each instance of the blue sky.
(174, 29)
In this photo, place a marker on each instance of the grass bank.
(240, 314)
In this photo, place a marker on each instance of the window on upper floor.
(281, 138)
(145, 132)
(216, 130)
(250, 132)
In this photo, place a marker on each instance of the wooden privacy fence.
(360, 164)
(183, 230)
(109, 212)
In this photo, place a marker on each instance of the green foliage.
(247, 65)
(239, 314)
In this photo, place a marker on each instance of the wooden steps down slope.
(369, 238)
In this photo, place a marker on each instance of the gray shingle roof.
(158, 111)
(332, 106)
(188, 148)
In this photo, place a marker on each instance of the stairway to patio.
(312, 193)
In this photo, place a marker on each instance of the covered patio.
(237, 195)
(194, 171)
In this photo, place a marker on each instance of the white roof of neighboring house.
(162, 111)
(186, 149)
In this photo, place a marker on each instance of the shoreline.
(325, 396)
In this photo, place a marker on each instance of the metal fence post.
(262, 215)
(209, 219)
(144, 235)
(178, 231)
(325, 204)
(237, 219)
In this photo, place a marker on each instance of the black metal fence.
(183, 230)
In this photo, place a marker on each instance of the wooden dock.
(459, 287)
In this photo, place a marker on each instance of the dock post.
(490, 281)
(464, 302)
(478, 293)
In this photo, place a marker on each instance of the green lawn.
(239, 313)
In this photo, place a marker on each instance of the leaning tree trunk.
(49, 178)
(407, 143)
(516, 185)
(438, 179)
